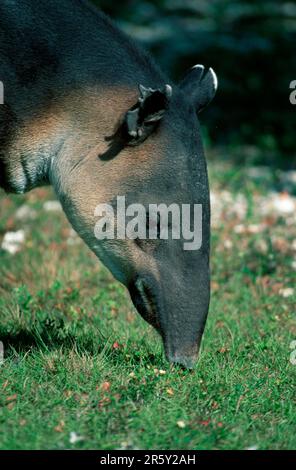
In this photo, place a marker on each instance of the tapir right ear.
(141, 120)
(200, 86)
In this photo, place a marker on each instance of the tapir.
(87, 111)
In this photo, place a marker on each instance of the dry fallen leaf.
(106, 386)
(223, 350)
(105, 401)
(170, 391)
(214, 286)
(205, 422)
(60, 426)
(5, 384)
(12, 397)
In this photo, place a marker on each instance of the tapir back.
(52, 43)
(52, 48)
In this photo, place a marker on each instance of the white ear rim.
(198, 66)
(168, 91)
(215, 78)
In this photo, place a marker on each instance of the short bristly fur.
(89, 112)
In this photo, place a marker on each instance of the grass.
(79, 359)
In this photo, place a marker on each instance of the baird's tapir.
(87, 111)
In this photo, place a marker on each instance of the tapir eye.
(153, 231)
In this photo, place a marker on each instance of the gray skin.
(74, 117)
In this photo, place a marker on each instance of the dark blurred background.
(250, 45)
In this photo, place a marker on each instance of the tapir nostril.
(144, 299)
(186, 361)
(179, 351)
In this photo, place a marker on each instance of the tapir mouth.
(186, 359)
(179, 348)
(144, 299)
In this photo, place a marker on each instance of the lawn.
(82, 370)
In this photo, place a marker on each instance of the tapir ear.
(141, 120)
(200, 86)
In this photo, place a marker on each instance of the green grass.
(79, 359)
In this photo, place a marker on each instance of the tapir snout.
(177, 307)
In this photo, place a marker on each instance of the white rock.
(240, 228)
(253, 228)
(52, 206)
(261, 245)
(181, 424)
(261, 172)
(25, 212)
(73, 239)
(284, 204)
(74, 438)
(228, 244)
(286, 292)
(12, 241)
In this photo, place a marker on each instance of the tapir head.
(140, 199)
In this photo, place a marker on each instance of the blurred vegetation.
(251, 46)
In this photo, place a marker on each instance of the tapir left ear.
(141, 120)
(200, 86)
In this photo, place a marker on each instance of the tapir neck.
(27, 154)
